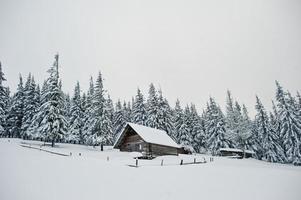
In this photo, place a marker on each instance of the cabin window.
(140, 147)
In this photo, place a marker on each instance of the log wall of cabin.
(159, 150)
(132, 142)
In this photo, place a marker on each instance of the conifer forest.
(46, 113)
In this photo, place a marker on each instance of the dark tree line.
(91, 118)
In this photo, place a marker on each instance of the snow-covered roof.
(150, 135)
(236, 150)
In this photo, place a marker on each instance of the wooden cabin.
(150, 142)
(236, 153)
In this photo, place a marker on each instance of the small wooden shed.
(150, 142)
(236, 153)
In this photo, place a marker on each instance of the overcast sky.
(191, 49)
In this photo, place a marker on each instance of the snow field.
(29, 174)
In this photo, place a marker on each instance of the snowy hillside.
(30, 174)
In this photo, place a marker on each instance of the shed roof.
(149, 135)
(236, 150)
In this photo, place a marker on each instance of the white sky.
(191, 49)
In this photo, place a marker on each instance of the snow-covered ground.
(30, 174)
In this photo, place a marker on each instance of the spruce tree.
(107, 126)
(119, 121)
(215, 128)
(4, 100)
(273, 150)
(290, 125)
(184, 131)
(15, 113)
(152, 107)
(196, 129)
(98, 126)
(88, 111)
(31, 104)
(164, 115)
(75, 133)
(49, 122)
(178, 120)
(268, 148)
(139, 110)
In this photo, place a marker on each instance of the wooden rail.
(52, 152)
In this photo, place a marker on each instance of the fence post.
(108, 158)
(194, 160)
(181, 162)
(136, 162)
(162, 162)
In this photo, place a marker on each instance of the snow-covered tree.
(99, 122)
(127, 111)
(152, 107)
(241, 132)
(215, 128)
(31, 104)
(196, 129)
(75, 133)
(178, 120)
(15, 113)
(273, 150)
(238, 125)
(49, 122)
(119, 121)
(268, 148)
(139, 111)
(290, 125)
(164, 115)
(184, 131)
(107, 126)
(88, 110)
(4, 98)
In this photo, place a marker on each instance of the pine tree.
(248, 139)
(298, 101)
(231, 118)
(50, 122)
(273, 150)
(127, 112)
(184, 131)
(75, 133)
(196, 129)
(88, 111)
(268, 149)
(31, 104)
(290, 125)
(15, 113)
(4, 100)
(119, 121)
(238, 125)
(110, 108)
(178, 120)
(164, 115)
(107, 126)
(152, 108)
(98, 125)
(139, 110)
(241, 133)
(215, 128)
